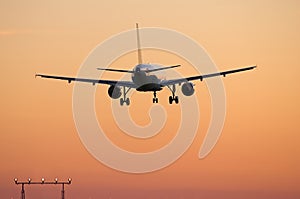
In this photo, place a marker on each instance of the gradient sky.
(258, 154)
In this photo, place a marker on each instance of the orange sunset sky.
(258, 153)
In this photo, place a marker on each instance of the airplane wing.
(93, 81)
(116, 70)
(201, 77)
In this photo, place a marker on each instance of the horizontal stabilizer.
(164, 68)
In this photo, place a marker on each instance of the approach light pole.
(55, 182)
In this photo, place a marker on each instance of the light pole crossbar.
(55, 182)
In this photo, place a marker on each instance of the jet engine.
(187, 89)
(114, 92)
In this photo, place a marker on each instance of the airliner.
(146, 78)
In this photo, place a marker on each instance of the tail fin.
(140, 60)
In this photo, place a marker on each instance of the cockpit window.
(139, 68)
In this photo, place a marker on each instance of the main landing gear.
(125, 99)
(173, 97)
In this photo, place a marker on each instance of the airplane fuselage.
(147, 81)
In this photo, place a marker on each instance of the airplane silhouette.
(146, 79)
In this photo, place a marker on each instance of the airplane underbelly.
(149, 87)
(147, 83)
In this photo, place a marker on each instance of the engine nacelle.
(114, 92)
(187, 89)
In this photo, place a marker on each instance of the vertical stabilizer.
(140, 60)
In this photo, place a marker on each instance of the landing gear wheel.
(176, 99)
(127, 101)
(121, 101)
(173, 98)
(170, 99)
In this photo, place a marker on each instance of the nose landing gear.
(155, 99)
